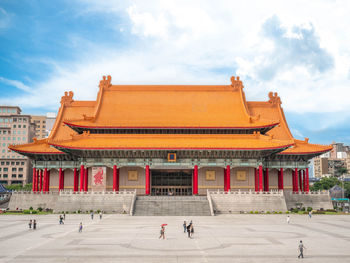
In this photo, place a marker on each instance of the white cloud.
(15, 83)
(187, 41)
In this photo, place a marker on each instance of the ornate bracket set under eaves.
(164, 164)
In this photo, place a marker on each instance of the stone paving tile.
(225, 238)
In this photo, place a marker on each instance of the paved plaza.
(226, 238)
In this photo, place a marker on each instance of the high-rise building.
(40, 126)
(50, 121)
(15, 128)
(329, 164)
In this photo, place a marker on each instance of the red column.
(48, 181)
(60, 179)
(147, 186)
(281, 179)
(37, 180)
(82, 172)
(86, 180)
(33, 183)
(267, 180)
(228, 177)
(256, 180)
(45, 180)
(260, 178)
(296, 180)
(114, 178)
(300, 181)
(195, 180)
(41, 180)
(304, 181)
(117, 181)
(75, 180)
(225, 180)
(307, 180)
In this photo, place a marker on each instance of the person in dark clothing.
(34, 224)
(30, 224)
(184, 225)
(189, 230)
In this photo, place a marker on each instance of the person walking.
(192, 229)
(288, 219)
(61, 220)
(310, 214)
(80, 227)
(301, 248)
(100, 215)
(30, 224)
(34, 224)
(184, 225)
(92, 215)
(162, 232)
(64, 215)
(188, 228)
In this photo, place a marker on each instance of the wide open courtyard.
(226, 238)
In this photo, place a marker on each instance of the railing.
(210, 203)
(250, 192)
(70, 192)
(323, 192)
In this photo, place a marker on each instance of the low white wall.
(108, 202)
(316, 200)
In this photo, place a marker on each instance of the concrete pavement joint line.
(335, 225)
(17, 234)
(321, 230)
(40, 244)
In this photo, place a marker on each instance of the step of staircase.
(171, 206)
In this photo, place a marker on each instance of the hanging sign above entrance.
(172, 157)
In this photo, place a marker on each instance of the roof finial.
(274, 98)
(105, 82)
(67, 99)
(236, 83)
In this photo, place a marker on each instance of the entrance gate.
(171, 182)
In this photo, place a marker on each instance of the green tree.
(325, 183)
(19, 187)
(341, 171)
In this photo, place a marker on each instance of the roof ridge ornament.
(67, 99)
(105, 82)
(274, 98)
(236, 83)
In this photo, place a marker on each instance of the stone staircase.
(171, 206)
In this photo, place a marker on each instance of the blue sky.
(297, 48)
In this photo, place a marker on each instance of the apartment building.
(15, 128)
(40, 126)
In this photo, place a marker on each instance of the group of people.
(92, 215)
(188, 228)
(32, 223)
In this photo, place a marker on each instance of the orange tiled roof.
(170, 106)
(303, 147)
(272, 110)
(36, 147)
(69, 109)
(172, 141)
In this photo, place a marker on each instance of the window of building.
(4, 132)
(2, 163)
(9, 138)
(0, 169)
(24, 119)
(14, 132)
(19, 126)
(14, 119)
(7, 163)
(14, 169)
(6, 120)
(14, 176)
(24, 126)
(20, 169)
(14, 126)
(38, 126)
(4, 175)
(20, 176)
(18, 138)
(44, 126)
(12, 163)
(20, 119)
(3, 151)
(6, 169)
(4, 144)
(24, 138)
(24, 132)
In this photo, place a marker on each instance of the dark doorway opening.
(171, 182)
